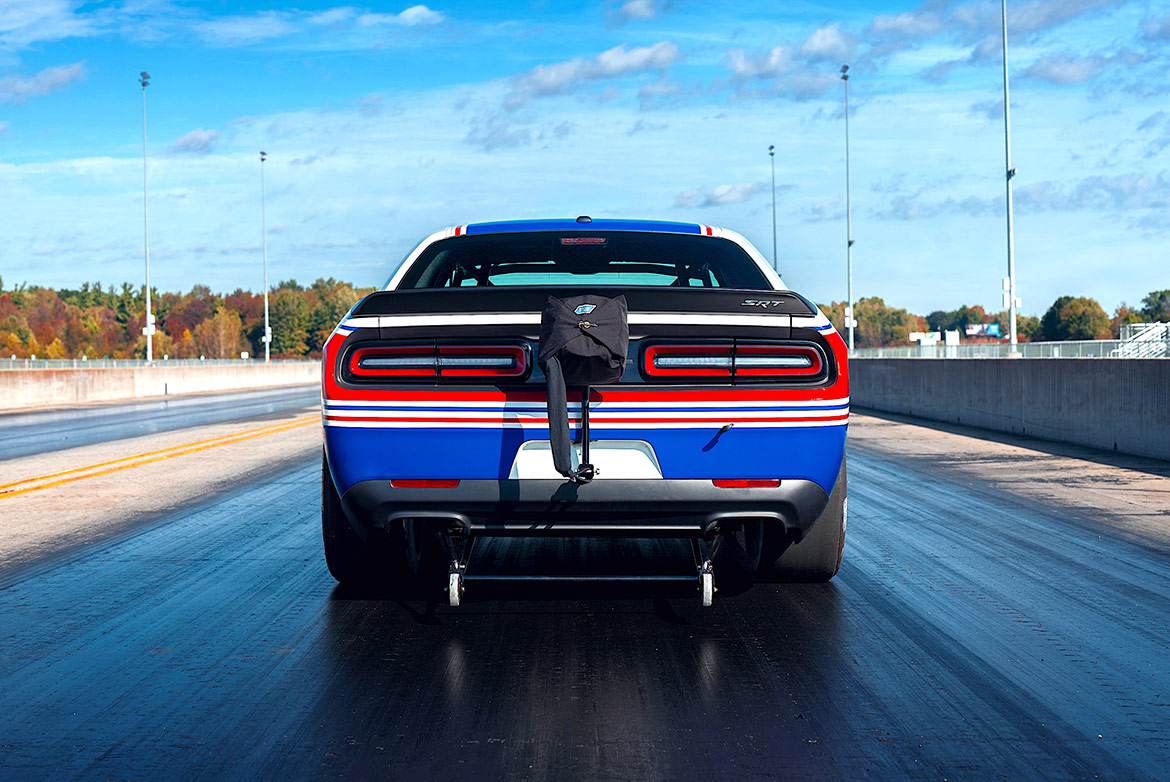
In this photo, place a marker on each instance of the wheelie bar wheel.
(455, 587)
(707, 587)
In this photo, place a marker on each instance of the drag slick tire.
(817, 557)
(427, 562)
(351, 560)
(408, 559)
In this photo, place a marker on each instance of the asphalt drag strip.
(976, 631)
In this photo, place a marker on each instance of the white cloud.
(972, 22)
(992, 110)
(1157, 29)
(1045, 14)
(642, 126)
(1119, 193)
(828, 43)
(700, 198)
(797, 80)
(333, 16)
(561, 77)
(414, 16)
(767, 65)
(636, 9)
(495, 132)
(1064, 70)
(17, 90)
(24, 22)
(197, 142)
(1153, 121)
(911, 24)
(657, 94)
(245, 30)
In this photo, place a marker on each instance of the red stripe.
(594, 420)
(458, 229)
(705, 396)
(708, 230)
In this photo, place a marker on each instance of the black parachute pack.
(583, 342)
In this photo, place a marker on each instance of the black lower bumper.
(555, 507)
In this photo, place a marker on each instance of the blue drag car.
(723, 420)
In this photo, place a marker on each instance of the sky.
(384, 123)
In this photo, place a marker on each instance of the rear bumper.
(556, 507)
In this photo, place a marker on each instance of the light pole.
(267, 338)
(850, 321)
(775, 258)
(1010, 293)
(148, 330)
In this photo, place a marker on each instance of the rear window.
(610, 258)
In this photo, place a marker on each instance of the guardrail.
(126, 363)
(1094, 348)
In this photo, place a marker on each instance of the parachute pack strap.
(584, 473)
(558, 418)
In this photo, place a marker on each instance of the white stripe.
(818, 319)
(362, 323)
(630, 420)
(533, 319)
(680, 414)
(528, 425)
(601, 406)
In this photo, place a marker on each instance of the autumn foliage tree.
(1072, 317)
(1156, 306)
(877, 324)
(98, 322)
(220, 336)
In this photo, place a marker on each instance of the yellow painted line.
(152, 453)
(167, 453)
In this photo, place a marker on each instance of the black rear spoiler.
(531, 299)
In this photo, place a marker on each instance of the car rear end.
(732, 407)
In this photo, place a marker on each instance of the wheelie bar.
(457, 576)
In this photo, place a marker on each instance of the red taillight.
(421, 361)
(740, 483)
(425, 483)
(688, 361)
(743, 361)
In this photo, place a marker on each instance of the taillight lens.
(741, 361)
(429, 361)
(688, 361)
(410, 361)
(780, 360)
(481, 361)
(741, 483)
(424, 483)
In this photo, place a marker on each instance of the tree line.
(98, 322)
(1069, 318)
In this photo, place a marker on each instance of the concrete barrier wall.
(22, 388)
(1117, 404)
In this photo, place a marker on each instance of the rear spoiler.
(532, 299)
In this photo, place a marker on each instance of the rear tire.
(817, 557)
(427, 561)
(352, 561)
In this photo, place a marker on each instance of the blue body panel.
(518, 226)
(811, 453)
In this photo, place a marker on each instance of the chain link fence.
(1095, 348)
(111, 363)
